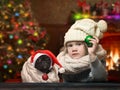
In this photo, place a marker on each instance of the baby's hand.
(95, 42)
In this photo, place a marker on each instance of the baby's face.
(43, 63)
(76, 49)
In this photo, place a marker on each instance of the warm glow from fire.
(115, 55)
(112, 60)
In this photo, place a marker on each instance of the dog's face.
(43, 63)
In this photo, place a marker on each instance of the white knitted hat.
(84, 27)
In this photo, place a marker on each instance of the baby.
(83, 57)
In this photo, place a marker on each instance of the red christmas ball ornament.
(45, 76)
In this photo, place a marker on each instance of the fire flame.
(112, 60)
(115, 55)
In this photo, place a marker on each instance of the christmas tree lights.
(20, 35)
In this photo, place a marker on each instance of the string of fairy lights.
(99, 10)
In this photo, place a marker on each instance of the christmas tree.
(20, 36)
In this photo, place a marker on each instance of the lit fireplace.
(112, 61)
(111, 42)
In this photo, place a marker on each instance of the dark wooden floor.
(59, 86)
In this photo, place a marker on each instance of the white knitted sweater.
(31, 74)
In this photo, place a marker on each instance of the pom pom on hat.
(61, 70)
(102, 25)
(48, 53)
